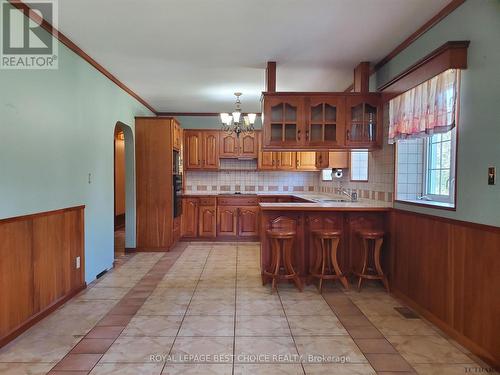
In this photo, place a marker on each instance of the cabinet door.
(228, 145)
(322, 159)
(306, 161)
(363, 121)
(208, 221)
(210, 149)
(267, 160)
(227, 221)
(189, 219)
(192, 150)
(286, 160)
(248, 225)
(284, 121)
(339, 159)
(176, 135)
(325, 121)
(248, 146)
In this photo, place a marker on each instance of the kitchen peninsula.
(324, 213)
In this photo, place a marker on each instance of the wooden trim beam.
(451, 55)
(72, 46)
(362, 77)
(271, 76)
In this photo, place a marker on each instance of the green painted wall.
(479, 122)
(206, 122)
(55, 128)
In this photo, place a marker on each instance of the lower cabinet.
(248, 223)
(189, 220)
(227, 221)
(211, 217)
(207, 221)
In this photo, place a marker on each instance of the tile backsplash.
(380, 184)
(250, 181)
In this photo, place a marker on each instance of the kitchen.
(326, 203)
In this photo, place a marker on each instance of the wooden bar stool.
(281, 253)
(327, 241)
(372, 240)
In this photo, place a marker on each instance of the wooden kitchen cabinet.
(227, 221)
(189, 218)
(277, 161)
(306, 161)
(363, 121)
(284, 121)
(210, 145)
(207, 221)
(248, 222)
(325, 121)
(176, 135)
(321, 121)
(243, 147)
(192, 150)
(201, 150)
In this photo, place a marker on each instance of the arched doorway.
(124, 195)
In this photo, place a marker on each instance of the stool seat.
(327, 233)
(370, 234)
(281, 241)
(281, 234)
(372, 242)
(326, 265)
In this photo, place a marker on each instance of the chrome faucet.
(353, 196)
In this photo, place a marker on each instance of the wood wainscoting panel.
(448, 270)
(16, 275)
(38, 266)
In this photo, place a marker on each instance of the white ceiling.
(191, 55)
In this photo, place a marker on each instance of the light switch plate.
(77, 263)
(491, 175)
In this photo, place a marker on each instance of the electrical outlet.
(77, 263)
(491, 175)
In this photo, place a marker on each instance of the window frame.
(450, 198)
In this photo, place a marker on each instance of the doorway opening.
(119, 189)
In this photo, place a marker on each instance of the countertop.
(361, 205)
(317, 202)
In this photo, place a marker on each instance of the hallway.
(201, 309)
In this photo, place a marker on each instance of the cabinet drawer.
(207, 201)
(238, 201)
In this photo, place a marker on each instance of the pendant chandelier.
(237, 122)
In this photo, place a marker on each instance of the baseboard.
(40, 315)
(450, 331)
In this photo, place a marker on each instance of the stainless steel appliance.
(177, 183)
(177, 194)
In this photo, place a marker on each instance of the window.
(422, 123)
(359, 165)
(440, 167)
(425, 169)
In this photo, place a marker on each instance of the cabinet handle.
(297, 163)
(298, 135)
(347, 133)
(307, 135)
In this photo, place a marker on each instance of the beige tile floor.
(209, 314)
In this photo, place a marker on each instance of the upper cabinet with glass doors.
(364, 121)
(321, 121)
